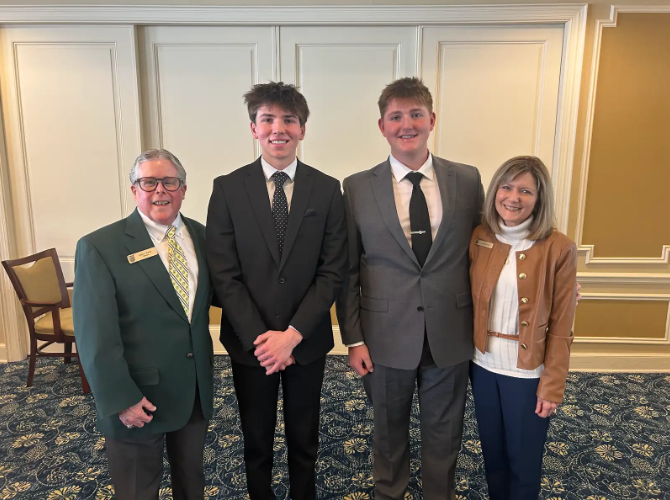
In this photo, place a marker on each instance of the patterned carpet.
(609, 441)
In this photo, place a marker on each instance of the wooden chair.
(44, 296)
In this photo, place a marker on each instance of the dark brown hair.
(409, 89)
(281, 94)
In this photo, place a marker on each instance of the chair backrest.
(43, 281)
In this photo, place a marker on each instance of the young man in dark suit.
(276, 247)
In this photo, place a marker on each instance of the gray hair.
(157, 154)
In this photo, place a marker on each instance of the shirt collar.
(400, 170)
(268, 169)
(157, 231)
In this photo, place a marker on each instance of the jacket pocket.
(375, 305)
(464, 299)
(148, 376)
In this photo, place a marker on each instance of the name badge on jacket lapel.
(485, 244)
(144, 254)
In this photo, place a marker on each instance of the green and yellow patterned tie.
(178, 268)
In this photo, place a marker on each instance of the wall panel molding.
(588, 250)
(662, 297)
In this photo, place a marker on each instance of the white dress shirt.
(157, 232)
(402, 192)
(269, 170)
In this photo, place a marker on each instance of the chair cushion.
(40, 281)
(45, 324)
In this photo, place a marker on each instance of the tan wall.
(629, 166)
(622, 319)
(626, 202)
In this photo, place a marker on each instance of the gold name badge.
(144, 254)
(482, 243)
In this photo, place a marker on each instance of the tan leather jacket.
(546, 281)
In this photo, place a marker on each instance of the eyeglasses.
(151, 183)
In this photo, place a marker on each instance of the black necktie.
(280, 208)
(419, 219)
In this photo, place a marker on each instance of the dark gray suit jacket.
(389, 300)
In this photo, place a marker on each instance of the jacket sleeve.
(349, 302)
(226, 272)
(98, 335)
(559, 336)
(329, 275)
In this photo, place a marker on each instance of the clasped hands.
(274, 349)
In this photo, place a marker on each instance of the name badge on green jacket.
(482, 243)
(144, 254)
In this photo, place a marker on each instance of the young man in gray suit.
(406, 312)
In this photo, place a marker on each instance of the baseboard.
(603, 362)
(3, 353)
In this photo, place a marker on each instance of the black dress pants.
(257, 398)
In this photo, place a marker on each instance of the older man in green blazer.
(141, 316)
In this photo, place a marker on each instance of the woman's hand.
(545, 408)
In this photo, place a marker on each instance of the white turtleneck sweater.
(501, 355)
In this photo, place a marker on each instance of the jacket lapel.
(382, 187)
(202, 292)
(302, 191)
(446, 180)
(137, 239)
(260, 203)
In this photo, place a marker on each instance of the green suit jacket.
(132, 334)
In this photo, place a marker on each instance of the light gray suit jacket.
(389, 301)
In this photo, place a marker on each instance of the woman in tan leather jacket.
(523, 276)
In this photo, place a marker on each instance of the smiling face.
(516, 199)
(279, 132)
(406, 124)
(161, 206)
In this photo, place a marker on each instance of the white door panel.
(194, 79)
(496, 92)
(70, 99)
(341, 71)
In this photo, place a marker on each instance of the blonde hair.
(543, 213)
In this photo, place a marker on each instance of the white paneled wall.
(496, 92)
(72, 124)
(194, 79)
(73, 96)
(341, 72)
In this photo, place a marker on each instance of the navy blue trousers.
(512, 435)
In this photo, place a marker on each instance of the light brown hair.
(281, 94)
(543, 213)
(405, 89)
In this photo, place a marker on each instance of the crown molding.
(296, 15)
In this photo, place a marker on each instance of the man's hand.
(135, 416)
(274, 349)
(545, 408)
(359, 360)
(579, 295)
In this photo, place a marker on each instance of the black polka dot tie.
(280, 208)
